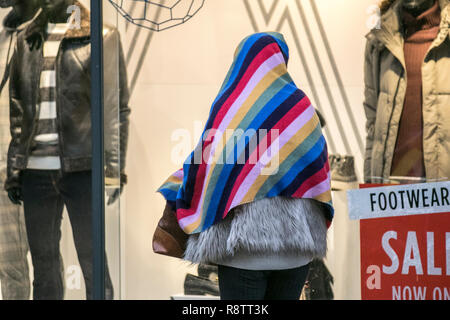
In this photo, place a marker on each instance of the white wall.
(180, 77)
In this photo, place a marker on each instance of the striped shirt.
(45, 149)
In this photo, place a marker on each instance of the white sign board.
(399, 200)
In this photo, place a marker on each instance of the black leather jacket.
(73, 99)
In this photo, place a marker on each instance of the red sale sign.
(405, 257)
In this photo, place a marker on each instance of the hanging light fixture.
(157, 15)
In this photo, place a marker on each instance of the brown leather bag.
(169, 239)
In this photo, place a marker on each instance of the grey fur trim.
(270, 225)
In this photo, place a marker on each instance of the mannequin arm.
(116, 114)
(116, 107)
(16, 115)
(371, 89)
(124, 110)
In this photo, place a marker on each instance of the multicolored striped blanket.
(262, 139)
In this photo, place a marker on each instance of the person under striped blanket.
(255, 194)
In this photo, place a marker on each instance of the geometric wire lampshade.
(157, 15)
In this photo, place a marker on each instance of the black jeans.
(44, 195)
(240, 284)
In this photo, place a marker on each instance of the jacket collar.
(11, 22)
(390, 20)
(391, 35)
(39, 23)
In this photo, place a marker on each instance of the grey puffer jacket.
(385, 88)
(267, 226)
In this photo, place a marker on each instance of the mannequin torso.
(419, 33)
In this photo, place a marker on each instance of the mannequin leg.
(43, 209)
(76, 190)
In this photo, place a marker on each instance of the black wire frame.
(98, 179)
(157, 26)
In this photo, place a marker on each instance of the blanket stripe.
(262, 139)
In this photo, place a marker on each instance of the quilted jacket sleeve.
(16, 114)
(117, 111)
(371, 90)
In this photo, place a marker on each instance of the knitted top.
(419, 34)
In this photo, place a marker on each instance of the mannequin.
(50, 154)
(14, 272)
(416, 7)
(55, 12)
(406, 86)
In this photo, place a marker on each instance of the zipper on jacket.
(402, 75)
(57, 95)
(431, 48)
